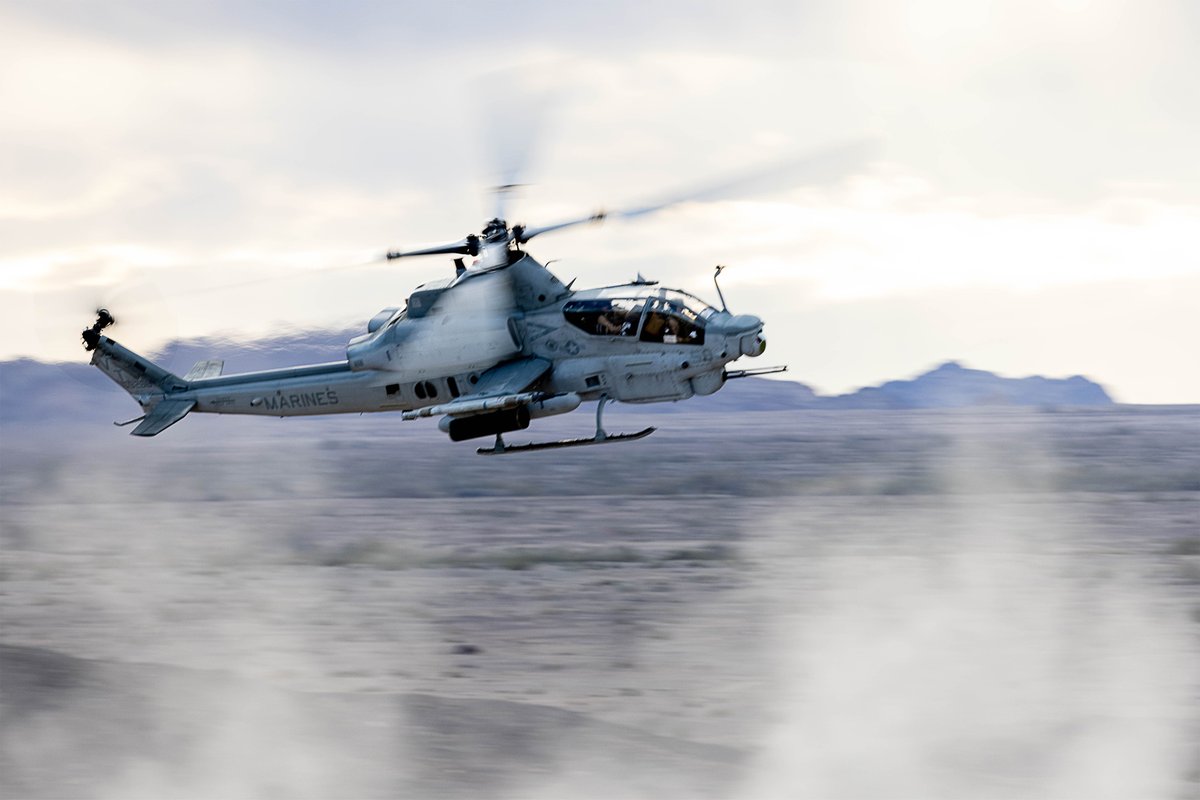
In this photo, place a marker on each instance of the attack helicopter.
(501, 343)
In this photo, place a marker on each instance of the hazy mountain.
(954, 386)
(32, 390)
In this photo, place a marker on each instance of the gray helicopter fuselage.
(452, 332)
(500, 345)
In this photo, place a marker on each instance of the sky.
(1030, 204)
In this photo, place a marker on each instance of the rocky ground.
(825, 604)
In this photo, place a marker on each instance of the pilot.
(605, 325)
(652, 331)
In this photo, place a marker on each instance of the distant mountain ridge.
(32, 390)
(952, 385)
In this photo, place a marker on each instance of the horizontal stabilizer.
(205, 369)
(164, 415)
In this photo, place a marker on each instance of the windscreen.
(618, 316)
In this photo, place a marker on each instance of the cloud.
(1026, 146)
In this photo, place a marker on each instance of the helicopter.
(501, 343)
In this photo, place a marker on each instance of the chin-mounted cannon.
(91, 336)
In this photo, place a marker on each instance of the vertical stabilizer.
(144, 380)
(149, 384)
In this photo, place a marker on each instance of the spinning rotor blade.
(519, 103)
(821, 167)
(137, 300)
(467, 246)
(522, 234)
(824, 166)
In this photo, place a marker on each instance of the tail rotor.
(91, 336)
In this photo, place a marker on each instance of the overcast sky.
(221, 167)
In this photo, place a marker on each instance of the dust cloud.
(186, 685)
(923, 605)
(995, 666)
(992, 644)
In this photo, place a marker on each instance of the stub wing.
(515, 376)
(501, 387)
(164, 415)
(498, 389)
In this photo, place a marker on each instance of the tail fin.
(143, 379)
(149, 384)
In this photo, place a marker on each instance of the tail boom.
(145, 381)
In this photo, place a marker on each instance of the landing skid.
(601, 437)
(502, 449)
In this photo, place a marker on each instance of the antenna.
(716, 275)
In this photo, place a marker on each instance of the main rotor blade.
(518, 103)
(824, 166)
(467, 246)
(523, 235)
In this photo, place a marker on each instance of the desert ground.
(850, 604)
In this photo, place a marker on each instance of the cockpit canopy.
(663, 316)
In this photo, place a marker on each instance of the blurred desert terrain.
(972, 603)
